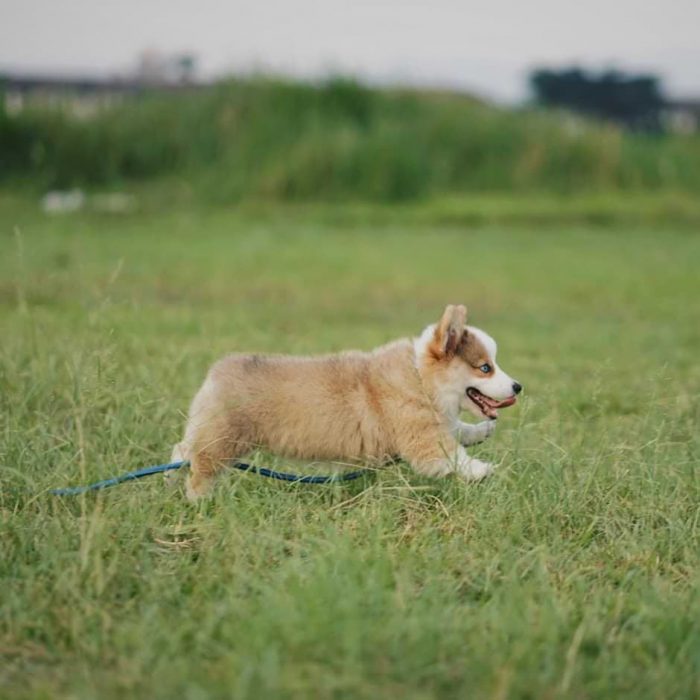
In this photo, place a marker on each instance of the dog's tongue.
(493, 403)
(503, 404)
(492, 406)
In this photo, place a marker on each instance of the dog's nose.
(517, 388)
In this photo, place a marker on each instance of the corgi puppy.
(400, 400)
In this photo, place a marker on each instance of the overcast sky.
(486, 47)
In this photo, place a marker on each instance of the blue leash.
(147, 471)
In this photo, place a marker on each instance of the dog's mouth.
(488, 406)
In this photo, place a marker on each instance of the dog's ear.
(450, 331)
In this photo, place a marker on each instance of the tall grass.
(283, 140)
(574, 573)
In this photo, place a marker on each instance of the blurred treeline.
(286, 140)
(634, 101)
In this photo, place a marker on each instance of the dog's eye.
(485, 368)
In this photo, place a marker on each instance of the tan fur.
(473, 352)
(369, 406)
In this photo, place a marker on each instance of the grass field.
(573, 572)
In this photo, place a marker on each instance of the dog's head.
(460, 363)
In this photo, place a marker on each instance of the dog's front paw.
(474, 434)
(474, 469)
(484, 430)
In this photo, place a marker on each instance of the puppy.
(401, 400)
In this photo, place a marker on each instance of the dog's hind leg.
(215, 443)
(179, 454)
(206, 464)
(203, 469)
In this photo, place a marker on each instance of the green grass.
(340, 140)
(573, 572)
